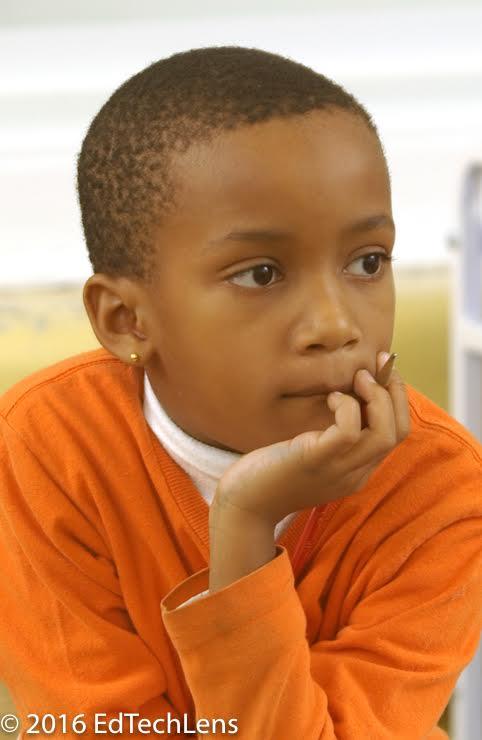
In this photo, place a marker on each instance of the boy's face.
(228, 343)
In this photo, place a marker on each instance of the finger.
(313, 447)
(399, 395)
(385, 363)
(345, 432)
(380, 436)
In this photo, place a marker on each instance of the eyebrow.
(262, 235)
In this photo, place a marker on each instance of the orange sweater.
(103, 535)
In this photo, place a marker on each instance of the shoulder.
(436, 434)
(82, 400)
(87, 373)
(442, 461)
(48, 380)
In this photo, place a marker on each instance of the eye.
(371, 262)
(261, 275)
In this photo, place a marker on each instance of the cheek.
(378, 306)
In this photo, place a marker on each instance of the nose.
(327, 320)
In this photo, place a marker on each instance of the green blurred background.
(40, 326)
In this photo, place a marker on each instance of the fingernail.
(384, 356)
(367, 374)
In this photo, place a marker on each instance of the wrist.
(240, 543)
(238, 522)
(232, 507)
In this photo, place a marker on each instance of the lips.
(321, 390)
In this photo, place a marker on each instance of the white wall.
(418, 70)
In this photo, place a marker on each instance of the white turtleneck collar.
(203, 463)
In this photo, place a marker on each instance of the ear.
(114, 306)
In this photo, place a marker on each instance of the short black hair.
(125, 177)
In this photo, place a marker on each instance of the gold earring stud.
(135, 357)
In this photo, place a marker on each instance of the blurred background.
(416, 66)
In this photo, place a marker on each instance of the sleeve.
(67, 642)
(389, 672)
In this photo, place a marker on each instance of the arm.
(240, 542)
(387, 670)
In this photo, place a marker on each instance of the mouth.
(318, 397)
(320, 391)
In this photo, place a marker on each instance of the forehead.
(322, 166)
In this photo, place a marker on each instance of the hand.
(316, 467)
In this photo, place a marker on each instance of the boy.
(237, 211)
